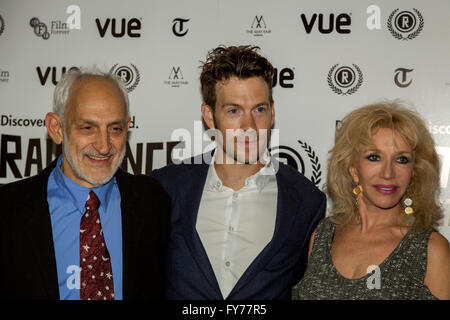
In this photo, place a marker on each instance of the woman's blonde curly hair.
(356, 130)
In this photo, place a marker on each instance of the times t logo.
(400, 77)
(178, 27)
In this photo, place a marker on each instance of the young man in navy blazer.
(240, 220)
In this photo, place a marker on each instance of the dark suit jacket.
(280, 265)
(27, 258)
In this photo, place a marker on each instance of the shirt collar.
(259, 180)
(78, 194)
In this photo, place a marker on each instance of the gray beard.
(78, 171)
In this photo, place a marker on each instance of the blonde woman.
(380, 242)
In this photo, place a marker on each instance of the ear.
(128, 123)
(55, 127)
(354, 173)
(208, 115)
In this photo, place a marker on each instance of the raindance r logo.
(291, 157)
(345, 80)
(129, 76)
(406, 25)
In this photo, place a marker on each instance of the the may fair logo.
(258, 27)
(4, 75)
(176, 78)
(405, 25)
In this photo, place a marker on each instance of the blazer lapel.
(194, 183)
(286, 210)
(131, 232)
(37, 226)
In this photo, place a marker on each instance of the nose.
(248, 122)
(388, 171)
(102, 142)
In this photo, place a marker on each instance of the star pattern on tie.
(96, 274)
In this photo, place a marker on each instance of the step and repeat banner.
(330, 57)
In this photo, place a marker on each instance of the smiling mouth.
(98, 160)
(386, 189)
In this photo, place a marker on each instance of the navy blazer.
(280, 265)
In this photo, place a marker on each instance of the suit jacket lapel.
(37, 226)
(192, 190)
(131, 232)
(286, 210)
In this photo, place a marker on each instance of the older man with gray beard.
(83, 228)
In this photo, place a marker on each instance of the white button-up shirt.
(235, 226)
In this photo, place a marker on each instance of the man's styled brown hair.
(242, 62)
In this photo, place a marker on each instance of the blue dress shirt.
(66, 200)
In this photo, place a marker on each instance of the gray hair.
(64, 86)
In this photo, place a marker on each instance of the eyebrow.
(240, 106)
(94, 123)
(379, 151)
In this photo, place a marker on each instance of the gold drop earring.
(408, 202)
(357, 190)
(408, 205)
